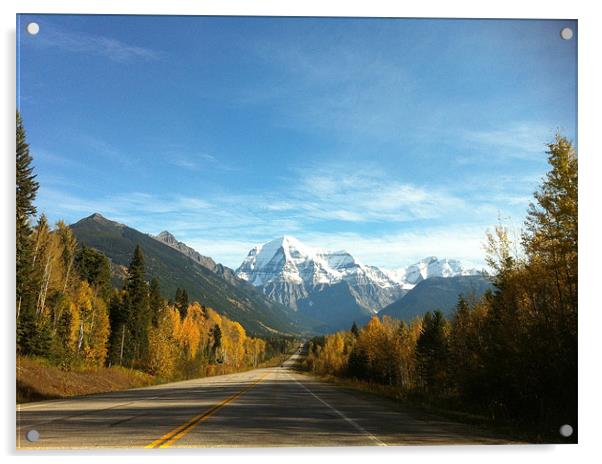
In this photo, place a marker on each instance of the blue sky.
(392, 139)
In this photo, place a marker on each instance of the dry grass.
(38, 380)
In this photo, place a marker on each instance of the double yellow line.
(176, 434)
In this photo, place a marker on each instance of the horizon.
(401, 266)
(391, 139)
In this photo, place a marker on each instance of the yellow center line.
(174, 435)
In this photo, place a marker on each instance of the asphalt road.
(264, 407)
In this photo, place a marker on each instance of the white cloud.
(400, 249)
(519, 140)
(347, 88)
(390, 251)
(76, 42)
(226, 226)
(335, 192)
(185, 164)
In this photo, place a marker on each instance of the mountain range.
(437, 293)
(211, 284)
(334, 287)
(285, 286)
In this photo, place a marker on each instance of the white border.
(590, 76)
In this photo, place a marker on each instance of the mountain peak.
(284, 240)
(287, 269)
(170, 240)
(167, 237)
(97, 217)
(100, 219)
(291, 272)
(430, 266)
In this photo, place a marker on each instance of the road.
(263, 407)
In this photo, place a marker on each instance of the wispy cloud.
(390, 251)
(366, 195)
(184, 163)
(194, 161)
(124, 205)
(519, 140)
(401, 249)
(354, 90)
(317, 199)
(98, 45)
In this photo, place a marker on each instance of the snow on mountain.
(291, 272)
(288, 270)
(286, 258)
(429, 267)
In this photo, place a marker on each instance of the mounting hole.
(33, 28)
(566, 33)
(566, 430)
(32, 435)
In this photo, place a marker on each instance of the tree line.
(511, 354)
(68, 311)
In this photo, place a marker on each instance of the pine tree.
(137, 309)
(216, 332)
(177, 299)
(94, 267)
(181, 301)
(355, 330)
(156, 302)
(184, 302)
(432, 352)
(118, 319)
(26, 189)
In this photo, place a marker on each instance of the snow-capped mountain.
(316, 281)
(429, 267)
(289, 271)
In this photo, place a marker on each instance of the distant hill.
(227, 294)
(436, 293)
(341, 303)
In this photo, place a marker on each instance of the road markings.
(171, 437)
(341, 415)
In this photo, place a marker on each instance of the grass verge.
(38, 380)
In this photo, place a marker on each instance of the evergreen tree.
(177, 299)
(355, 330)
(136, 305)
(357, 366)
(182, 301)
(216, 333)
(156, 302)
(185, 301)
(118, 319)
(431, 352)
(95, 268)
(26, 189)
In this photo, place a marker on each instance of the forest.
(68, 312)
(511, 355)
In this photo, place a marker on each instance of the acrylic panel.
(286, 232)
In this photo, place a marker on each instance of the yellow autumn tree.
(233, 339)
(254, 351)
(164, 343)
(93, 332)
